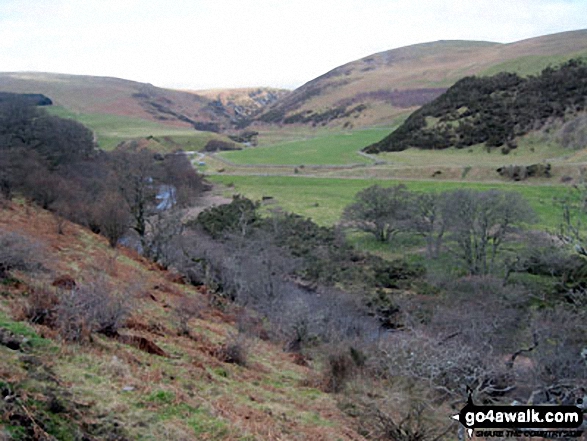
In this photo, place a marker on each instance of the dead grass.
(185, 393)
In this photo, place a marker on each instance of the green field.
(329, 149)
(323, 199)
(531, 64)
(111, 130)
(531, 150)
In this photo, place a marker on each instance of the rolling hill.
(83, 94)
(376, 89)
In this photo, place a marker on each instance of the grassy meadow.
(327, 149)
(531, 149)
(323, 199)
(111, 130)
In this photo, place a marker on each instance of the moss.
(24, 330)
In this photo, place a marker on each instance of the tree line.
(55, 163)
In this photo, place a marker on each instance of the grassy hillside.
(110, 130)
(383, 84)
(154, 382)
(113, 96)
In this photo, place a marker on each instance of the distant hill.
(104, 95)
(377, 88)
(493, 110)
(243, 103)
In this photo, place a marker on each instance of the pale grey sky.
(200, 44)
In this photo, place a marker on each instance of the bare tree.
(428, 219)
(135, 178)
(112, 217)
(93, 307)
(380, 211)
(480, 222)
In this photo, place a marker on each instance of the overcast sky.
(199, 44)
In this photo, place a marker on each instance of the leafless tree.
(480, 222)
(93, 307)
(135, 174)
(17, 252)
(428, 219)
(112, 217)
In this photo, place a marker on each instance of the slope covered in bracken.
(162, 375)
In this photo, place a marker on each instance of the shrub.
(41, 306)
(18, 252)
(215, 145)
(235, 350)
(90, 308)
(186, 309)
(341, 366)
(234, 217)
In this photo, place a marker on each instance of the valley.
(318, 267)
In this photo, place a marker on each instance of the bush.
(341, 366)
(229, 218)
(235, 350)
(88, 309)
(215, 145)
(41, 306)
(18, 252)
(186, 309)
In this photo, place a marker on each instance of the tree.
(427, 218)
(480, 222)
(237, 217)
(380, 211)
(112, 217)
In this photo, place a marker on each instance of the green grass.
(327, 149)
(111, 130)
(24, 330)
(531, 150)
(531, 64)
(323, 199)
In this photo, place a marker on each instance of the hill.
(151, 381)
(376, 89)
(493, 110)
(113, 96)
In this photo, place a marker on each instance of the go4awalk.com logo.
(518, 421)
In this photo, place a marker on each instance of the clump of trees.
(493, 110)
(55, 163)
(471, 225)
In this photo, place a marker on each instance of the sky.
(204, 44)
